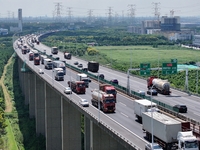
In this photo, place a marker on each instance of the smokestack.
(20, 19)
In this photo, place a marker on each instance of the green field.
(148, 54)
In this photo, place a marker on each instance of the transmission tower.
(69, 10)
(58, 8)
(156, 10)
(13, 15)
(110, 12)
(90, 14)
(132, 12)
(8, 14)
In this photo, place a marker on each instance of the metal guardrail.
(162, 106)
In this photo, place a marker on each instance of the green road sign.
(145, 69)
(169, 68)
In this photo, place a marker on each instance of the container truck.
(77, 86)
(67, 55)
(93, 66)
(83, 77)
(143, 105)
(109, 89)
(162, 86)
(59, 64)
(48, 63)
(54, 50)
(58, 74)
(168, 132)
(106, 101)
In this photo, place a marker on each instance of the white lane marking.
(122, 103)
(196, 114)
(124, 115)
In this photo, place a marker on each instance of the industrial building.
(149, 24)
(196, 40)
(170, 23)
(3, 31)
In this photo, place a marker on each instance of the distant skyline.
(82, 8)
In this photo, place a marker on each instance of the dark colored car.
(76, 63)
(152, 92)
(80, 65)
(181, 108)
(85, 69)
(114, 81)
(100, 76)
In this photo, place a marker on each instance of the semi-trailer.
(106, 101)
(48, 63)
(109, 89)
(36, 57)
(58, 74)
(93, 66)
(83, 77)
(42, 57)
(168, 132)
(143, 105)
(77, 86)
(59, 64)
(54, 50)
(162, 86)
(67, 55)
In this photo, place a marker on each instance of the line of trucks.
(170, 133)
(105, 95)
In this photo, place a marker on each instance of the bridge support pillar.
(26, 88)
(53, 119)
(87, 137)
(40, 106)
(32, 94)
(102, 140)
(71, 126)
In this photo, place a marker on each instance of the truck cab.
(187, 141)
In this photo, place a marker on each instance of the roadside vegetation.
(120, 50)
(17, 131)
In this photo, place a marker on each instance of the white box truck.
(58, 74)
(48, 63)
(143, 105)
(168, 132)
(83, 77)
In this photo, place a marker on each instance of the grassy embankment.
(10, 143)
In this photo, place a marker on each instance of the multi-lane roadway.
(124, 113)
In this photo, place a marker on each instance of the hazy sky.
(36, 8)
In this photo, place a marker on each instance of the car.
(181, 108)
(142, 93)
(76, 63)
(84, 102)
(80, 65)
(67, 90)
(114, 81)
(85, 69)
(152, 92)
(101, 76)
(155, 146)
(41, 71)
